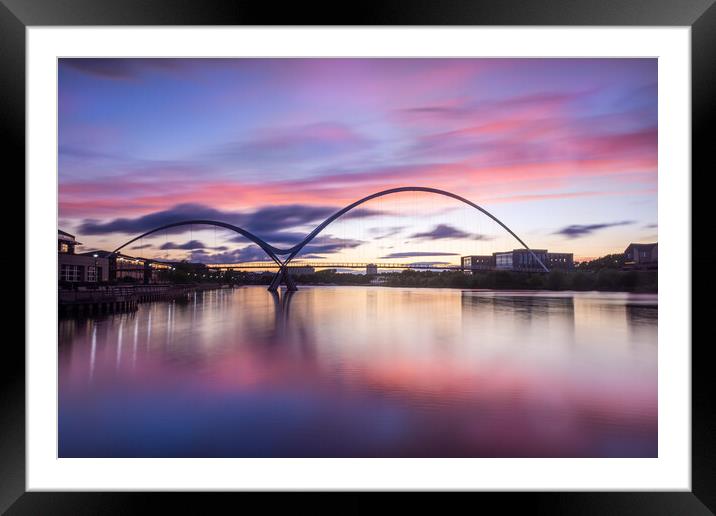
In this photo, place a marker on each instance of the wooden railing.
(125, 292)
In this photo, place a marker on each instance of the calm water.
(364, 372)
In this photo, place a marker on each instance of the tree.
(610, 261)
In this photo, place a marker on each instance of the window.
(70, 272)
(503, 260)
(91, 273)
(64, 248)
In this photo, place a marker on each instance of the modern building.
(78, 268)
(518, 260)
(641, 256)
(66, 243)
(521, 260)
(371, 269)
(128, 269)
(478, 262)
(121, 268)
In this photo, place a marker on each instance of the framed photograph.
(415, 249)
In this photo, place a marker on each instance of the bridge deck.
(330, 265)
(353, 265)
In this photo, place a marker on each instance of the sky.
(563, 151)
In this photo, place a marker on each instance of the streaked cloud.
(119, 68)
(191, 244)
(381, 233)
(581, 230)
(305, 143)
(251, 253)
(446, 231)
(322, 245)
(269, 222)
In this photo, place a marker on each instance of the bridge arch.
(270, 250)
(292, 252)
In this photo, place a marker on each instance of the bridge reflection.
(282, 308)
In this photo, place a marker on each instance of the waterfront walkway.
(120, 298)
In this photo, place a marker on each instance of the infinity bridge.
(282, 258)
(335, 265)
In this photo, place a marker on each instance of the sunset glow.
(563, 150)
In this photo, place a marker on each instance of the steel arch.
(275, 252)
(270, 250)
(297, 248)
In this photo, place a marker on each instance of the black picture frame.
(700, 15)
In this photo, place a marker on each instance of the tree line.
(606, 279)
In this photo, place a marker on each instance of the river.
(363, 372)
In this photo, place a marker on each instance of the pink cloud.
(479, 182)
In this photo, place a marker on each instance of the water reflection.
(357, 371)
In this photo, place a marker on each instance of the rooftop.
(641, 246)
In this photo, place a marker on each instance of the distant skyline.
(564, 151)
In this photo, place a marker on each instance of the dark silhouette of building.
(641, 256)
(562, 261)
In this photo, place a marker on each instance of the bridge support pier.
(282, 276)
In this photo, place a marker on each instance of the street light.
(96, 275)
